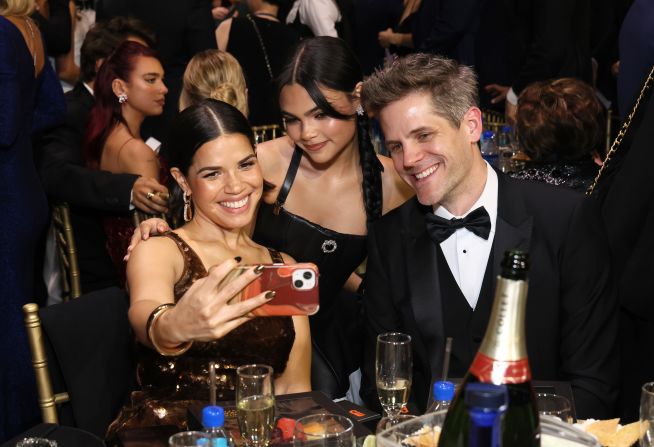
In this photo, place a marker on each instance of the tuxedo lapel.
(423, 285)
(514, 224)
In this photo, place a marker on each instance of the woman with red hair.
(129, 87)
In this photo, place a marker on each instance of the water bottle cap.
(487, 134)
(443, 391)
(486, 396)
(213, 416)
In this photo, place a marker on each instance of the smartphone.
(296, 287)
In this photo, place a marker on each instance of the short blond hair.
(214, 74)
(17, 7)
(451, 86)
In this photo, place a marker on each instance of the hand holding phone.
(295, 287)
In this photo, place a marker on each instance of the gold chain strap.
(623, 131)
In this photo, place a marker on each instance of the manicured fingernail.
(258, 269)
(270, 295)
(238, 259)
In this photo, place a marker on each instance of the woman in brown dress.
(182, 327)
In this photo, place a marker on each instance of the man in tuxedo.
(90, 193)
(439, 283)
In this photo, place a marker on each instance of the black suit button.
(476, 339)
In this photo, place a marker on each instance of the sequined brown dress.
(170, 384)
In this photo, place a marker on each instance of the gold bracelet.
(149, 330)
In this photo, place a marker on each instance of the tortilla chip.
(603, 430)
(425, 437)
(626, 436)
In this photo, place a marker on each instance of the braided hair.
(329, 62)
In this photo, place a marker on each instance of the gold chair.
(266, 132)
(493, 120)
(66, 251)
(82, 355)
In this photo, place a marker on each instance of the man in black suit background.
(524, 41)
(440, 284)
(183, 28)
(90, 193)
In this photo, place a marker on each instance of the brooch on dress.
(329, 246)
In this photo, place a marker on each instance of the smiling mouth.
(315, 147)
(427, 172)
(235, 204)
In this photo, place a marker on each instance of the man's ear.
(472, 124)
(181, 180)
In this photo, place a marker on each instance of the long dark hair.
(196, 125)
(329, 62)
(106, 111)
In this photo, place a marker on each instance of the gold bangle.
(149, 330)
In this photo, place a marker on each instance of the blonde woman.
(214, 74)
(31, 99)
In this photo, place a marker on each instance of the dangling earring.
(188, 209)
(122, 98)
(360, 110)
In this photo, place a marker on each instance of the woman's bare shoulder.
(274, 157)
(395, 190)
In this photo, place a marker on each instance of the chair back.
(66, 252)
(493, 120)
(266, 132)
(83, 357)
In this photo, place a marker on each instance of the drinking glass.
(386, 422)
(554, 405)
(323, 430)
(255, 404)
(393, 369)
(188, 439)
(647, 415)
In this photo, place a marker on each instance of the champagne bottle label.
(489, 370)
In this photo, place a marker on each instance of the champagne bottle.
(502, 360)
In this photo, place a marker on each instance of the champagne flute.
(323, 430)
(255, 404)
(647, 415)
(393, 369)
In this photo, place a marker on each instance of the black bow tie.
(440, 228)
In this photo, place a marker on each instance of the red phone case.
(289, 299)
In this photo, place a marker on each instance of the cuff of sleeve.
(512, 97)
(131, 201)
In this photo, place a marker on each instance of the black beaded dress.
(336, 328)
(168, 385)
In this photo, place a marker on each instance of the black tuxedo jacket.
(571, 308)
(522, 41)
(61, 163)
(90, 193)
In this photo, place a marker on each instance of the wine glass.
(188, 439)
(554, 405)
(647, 415)
(255, 404)
(323, 430)
(393, 369)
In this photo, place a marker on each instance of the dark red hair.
(106, 111)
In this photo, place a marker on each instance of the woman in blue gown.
(30, 99)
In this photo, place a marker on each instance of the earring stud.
(122, 98)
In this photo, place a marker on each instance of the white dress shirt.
(319, 15)
(465, 252)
